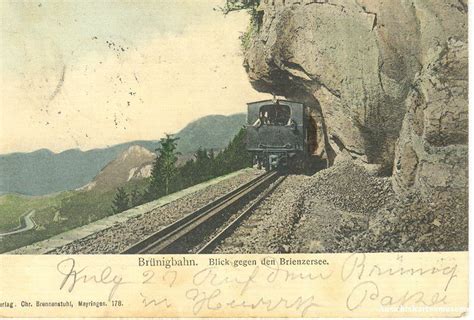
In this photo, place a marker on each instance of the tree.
(136, 198)
(164, 168)
(166, 177)
(203, 165)
(212, 154)
(235, 156)
(121, 201)
(237, 5)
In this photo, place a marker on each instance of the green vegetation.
(12, 206)
(205, 165)
(53, 214)
(164, 167)
(256, 17)
(56, 213)
(136, 197)
(246, 37)
(121, 201)
(250, 6)
(68, 210)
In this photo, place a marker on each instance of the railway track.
(223, 215)
(235, 222)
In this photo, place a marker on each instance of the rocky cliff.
(379, 76)
(387, 81)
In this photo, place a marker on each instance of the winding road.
(26, 223)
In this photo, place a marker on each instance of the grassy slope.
(76, 208)
(12, 206)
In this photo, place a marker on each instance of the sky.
(93, 74)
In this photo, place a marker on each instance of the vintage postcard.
(234, 158)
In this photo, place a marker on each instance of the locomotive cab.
(275, 132)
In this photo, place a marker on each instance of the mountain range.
(43, 171)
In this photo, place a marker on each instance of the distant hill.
(134, 163)
(43, 172)
(211, 132)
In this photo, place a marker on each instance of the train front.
(276, 133)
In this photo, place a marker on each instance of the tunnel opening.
(320, 150)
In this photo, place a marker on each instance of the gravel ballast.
(348, 208)
(270, 227)
(338, 203)
(120, 236)
(310, 213)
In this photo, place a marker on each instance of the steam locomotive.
(280, 134)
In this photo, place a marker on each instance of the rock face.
(133, 163)
(432, 153)
(379, 76)
(388, 83)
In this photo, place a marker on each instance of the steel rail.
(166, 239)
(216, 240)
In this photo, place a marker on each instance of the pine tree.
(203, 165)
(166, 177)
(121, 201)
(187, 175)
(136, 198)
(235, 156)
(164, 168)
